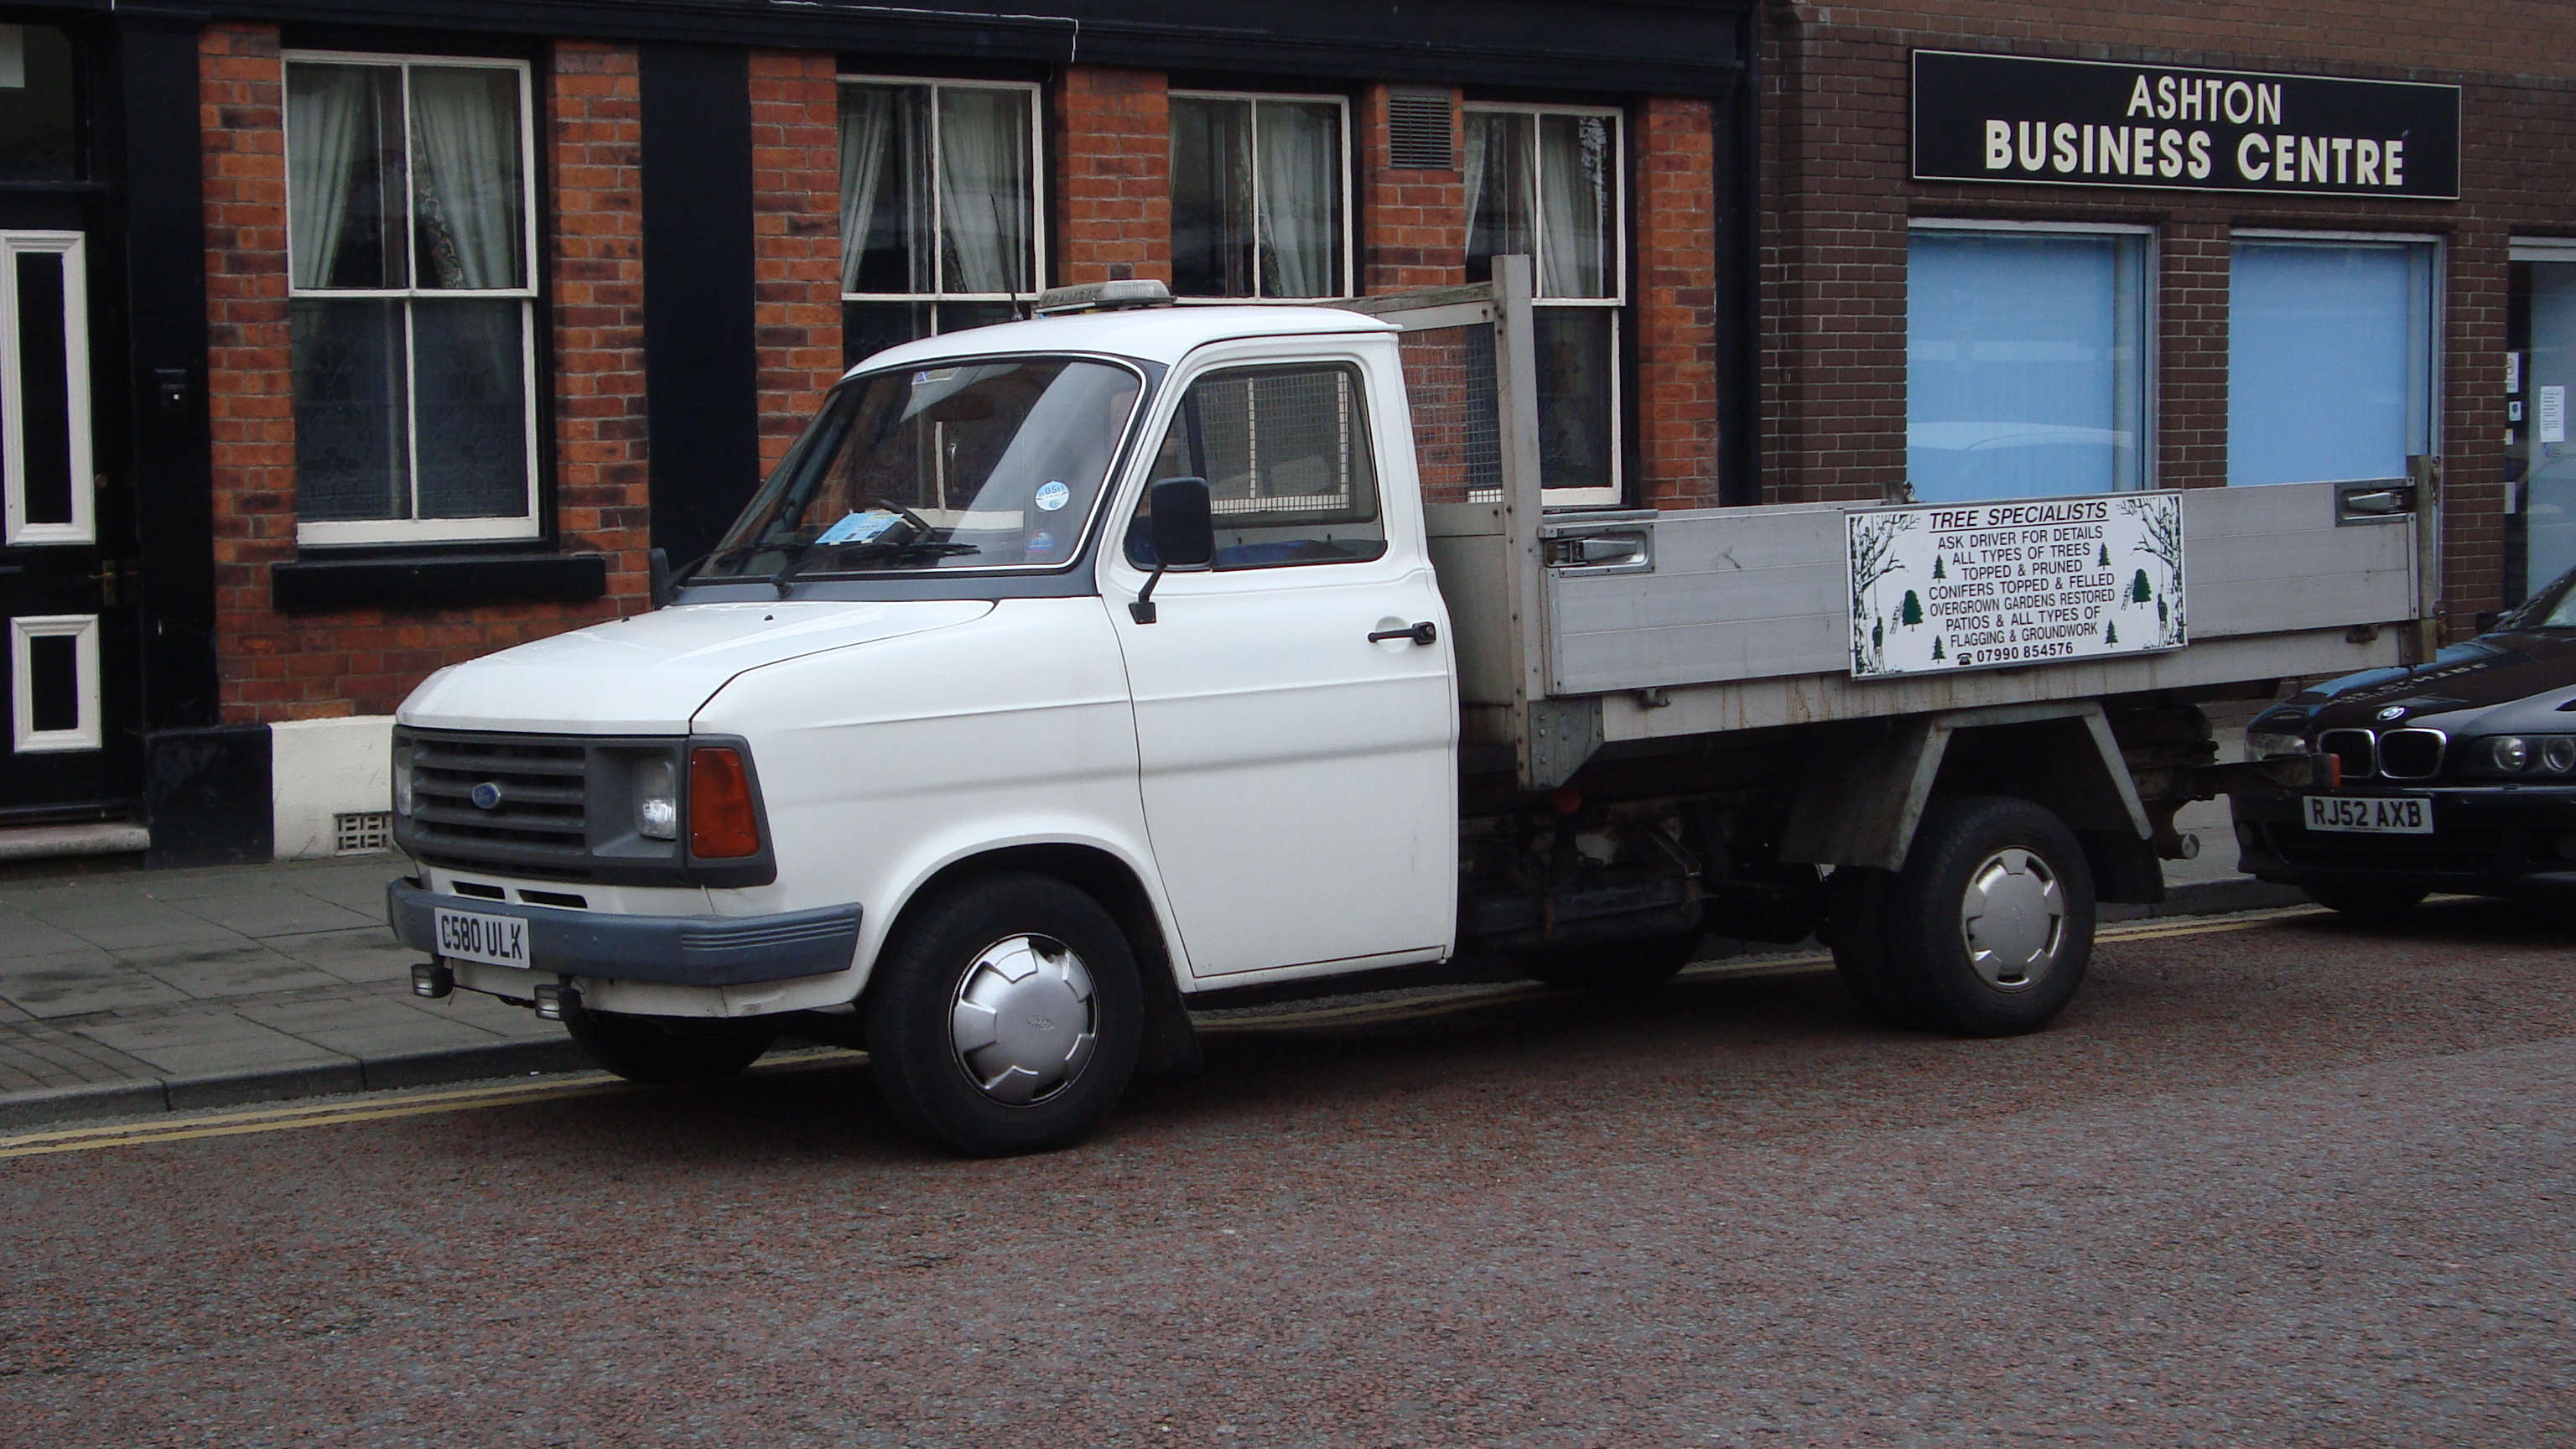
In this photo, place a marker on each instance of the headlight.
(2523, 755)
(657, 798)
(2262, 746)
(402, 779)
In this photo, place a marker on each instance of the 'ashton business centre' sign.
(2090, 123)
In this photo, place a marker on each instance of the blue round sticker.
(1052, 496)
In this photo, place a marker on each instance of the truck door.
(1299, 778)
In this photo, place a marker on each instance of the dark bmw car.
(2458, 775)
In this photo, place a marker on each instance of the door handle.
(1425, 632)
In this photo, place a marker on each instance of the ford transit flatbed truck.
(1068, 671)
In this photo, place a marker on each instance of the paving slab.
(209, 1042)
(81, 983)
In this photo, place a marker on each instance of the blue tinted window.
(2329, 372)
(2024, 375)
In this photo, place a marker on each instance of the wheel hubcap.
(2014, 919)
(1024, 1019)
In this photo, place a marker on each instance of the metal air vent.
(1419, 132)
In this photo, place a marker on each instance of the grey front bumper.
(679, 950)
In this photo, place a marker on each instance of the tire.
(2368, 905)
(1044, 977)
(1856, 931)
(658, 1050)
(1990, 923)
(1619, 967)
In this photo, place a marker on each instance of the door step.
(27, 844)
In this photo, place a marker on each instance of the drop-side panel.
(1741, 594)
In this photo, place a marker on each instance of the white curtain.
(465, 169)
(326, 110)
(1499, 204)
(1574, 177)
(867, 120)
(1300, 165)
(984, 197)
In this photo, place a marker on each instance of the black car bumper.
(2494, 840)
(679, 950)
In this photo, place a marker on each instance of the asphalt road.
(2284, 1184)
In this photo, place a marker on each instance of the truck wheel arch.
(2061, 756)
(1171, 1045)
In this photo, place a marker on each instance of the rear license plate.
(2371, 814)
(492, 940)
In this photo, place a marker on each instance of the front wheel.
(1989, 926)
(1006, 1017)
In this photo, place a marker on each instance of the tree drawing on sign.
(1938, 573)
(1911, 613)
(2104, 561)
(2140, 591)
(2160, 520)
(2110, 632)
(1873, 557)
(1936, 648)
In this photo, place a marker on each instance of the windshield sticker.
(936, 374)
(1052, 496)
(858, 528)
(1041, 543)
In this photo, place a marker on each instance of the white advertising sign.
(1951, 586)
(2553, 414)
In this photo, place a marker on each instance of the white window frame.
(938, 251)
(2150, 323)
(83, 526)
(1348, 180)
(2437, 308)
(1616, 303)
(87, 733)
(416, 529)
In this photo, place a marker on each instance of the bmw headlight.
(2260, 745)
(2551, 755)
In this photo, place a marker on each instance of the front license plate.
(492, 940)
(2371, 814)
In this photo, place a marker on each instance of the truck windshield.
(969, 465)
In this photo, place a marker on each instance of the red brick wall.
(1676, 303)
(1836, 200)
(277, 666)
(796, 238)
(1112, 185)
(1413, 224)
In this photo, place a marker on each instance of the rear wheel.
(1619, 966)
(1990, 923)
(2369, 905)
(1006, 1017)
(658, 1049)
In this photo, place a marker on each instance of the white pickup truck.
(1071, 672)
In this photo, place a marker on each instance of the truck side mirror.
(1183, 531)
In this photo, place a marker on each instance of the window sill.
(309, 584)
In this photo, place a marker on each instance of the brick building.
(391, 336)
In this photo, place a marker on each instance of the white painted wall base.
(320, 768)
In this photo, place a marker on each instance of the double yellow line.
(235, 1123)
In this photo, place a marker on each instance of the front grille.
(2355, 748)
(2413, 754)
(539, 820)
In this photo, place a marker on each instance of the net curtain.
(466, 180)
